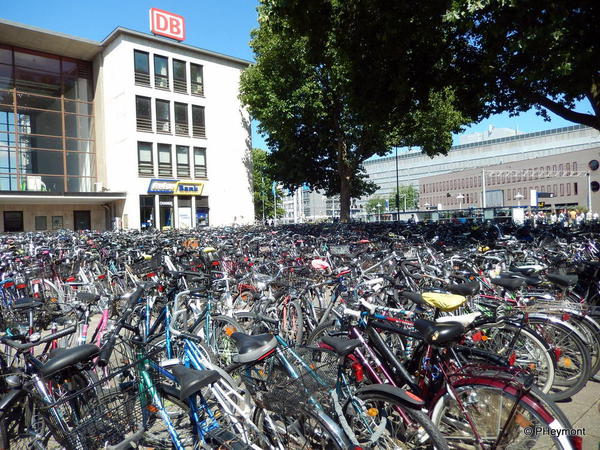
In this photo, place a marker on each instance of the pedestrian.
(553, 217)
(572, 216)
(588, 216)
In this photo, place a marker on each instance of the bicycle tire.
(318, 333)
(573, 357)
(218, 340)
(591, 330)
(532, 410)
(423, 429)
(292, 323)
(537, 356)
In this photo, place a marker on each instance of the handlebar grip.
(106, 351)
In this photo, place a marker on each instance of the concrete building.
(515, 149)
(136, 130)
(304, 205)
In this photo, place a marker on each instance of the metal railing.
(163, 126)
(165, 170)
(142, 79)
(199, 131)
(200, 172)
(161, 82)
(146, 169)
(144, 124)
(182, 129)
(198, 89)
(183, 171)
(180, 86)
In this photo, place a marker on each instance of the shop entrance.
(201, 211)
(82, 220)
(165, 203)
(147, 219)
(13, 221)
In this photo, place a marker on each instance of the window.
(562, 190)
(179, 76)
(199, 162)
(165, 167)
(141, 68)
(41, 223)
(560, 169)
(197, 79)
(181, 119)
(575, 188)
(568, 188)
(547, 171)
(163, 117)
(574, 166)
(198, 122)
(145, 162)
(143, 113)
(183, 161)
(568, 169)
(508, 194)
(555, 189)
(161, 72)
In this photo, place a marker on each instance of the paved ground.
(583, 410)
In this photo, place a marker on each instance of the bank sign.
(167, 24)
(175, 187)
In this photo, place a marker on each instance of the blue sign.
(160, 186)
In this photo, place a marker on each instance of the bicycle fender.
(557, 320)
(397, 393)
(10, 398)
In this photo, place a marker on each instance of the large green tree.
(303, 95)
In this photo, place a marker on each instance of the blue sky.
(219, 25)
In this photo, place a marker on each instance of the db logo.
(167, 24)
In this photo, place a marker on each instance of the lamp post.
(460, 198)
(519, 196)
(378, 212)
(426, 205)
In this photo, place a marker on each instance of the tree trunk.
(345, 177)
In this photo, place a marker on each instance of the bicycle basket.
(339, 250)
(274, 390)
(102, 414)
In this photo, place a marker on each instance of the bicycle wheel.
(23, 427)
(377, 422)
(520, 343)
(572, 356)
(488, 407)
(591, 330)
(305, 430)
(322, 330)
(216, 334)
(291, 323)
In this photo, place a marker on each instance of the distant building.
(491, 133)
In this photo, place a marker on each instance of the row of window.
(162, 78)
(143, 115)
(560, 190)
(165, 161)
(502, 178)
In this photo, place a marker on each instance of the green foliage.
(375, 206)
(262, 182)
(319, 108)
(408, 193)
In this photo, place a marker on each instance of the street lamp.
(379, 212)
(426, 205)
(519, 196)
(460, 198)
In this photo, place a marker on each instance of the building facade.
(133, 131)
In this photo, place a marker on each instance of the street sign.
(167, 24)
(545, 195)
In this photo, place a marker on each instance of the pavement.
(583, 410)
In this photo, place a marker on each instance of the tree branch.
(568, 114)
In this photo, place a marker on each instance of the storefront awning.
(71, 198)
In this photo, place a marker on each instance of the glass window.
(81, 164)
(80, 184)
(143, 113)
(198, 121)
(78, 126)
(163, 117)
(197, 79)
(568, 168)
(41, 223)
(165, 167)
(141, 68)
(179, 76)
(161, 72)
(147, 219)
(562, 190)
(574, 166)
(568, 188)
(181, 119)
(200, 162)
(145, 160)
(575, 191)
(183, 161)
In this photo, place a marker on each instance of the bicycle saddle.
(26, 303)
(531, 281)
(87, 297)
(253, 348)
(563, 280)
(439, 334)
(510, 284)
(465, 289)
(342, 346)
(61, 358)
(192, 380)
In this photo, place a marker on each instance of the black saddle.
(439, 334)
(464, 289)
(527, 271)
(87, 297)
(563, 280)
(415, 297)
(26, 303)
(192, 380)
(61, 358)
(510, 284)
(342, 346)
(252, 348)
(531, 281)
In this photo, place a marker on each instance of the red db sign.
(167, 24)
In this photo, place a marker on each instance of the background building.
(134, 130)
